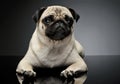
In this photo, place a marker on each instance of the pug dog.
(53, 44)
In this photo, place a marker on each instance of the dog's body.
(49, 50)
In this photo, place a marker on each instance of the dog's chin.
(57, 38)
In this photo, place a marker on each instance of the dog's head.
(56, 21)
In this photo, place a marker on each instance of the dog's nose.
(60, 24)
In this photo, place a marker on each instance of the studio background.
(98, 28)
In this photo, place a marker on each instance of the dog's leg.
(24, 70)
(75, 69)
(79, 49)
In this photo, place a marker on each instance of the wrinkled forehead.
(57, 11)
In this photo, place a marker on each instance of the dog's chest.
(54, 57)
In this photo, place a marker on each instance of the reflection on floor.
(102, 70)
(56, 80)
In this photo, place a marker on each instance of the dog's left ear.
(75, 15)
(36, 16)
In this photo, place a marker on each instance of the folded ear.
(36, 16)
(74, 14)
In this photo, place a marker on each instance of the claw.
(67, 74)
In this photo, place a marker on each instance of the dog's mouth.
(58, 30)
(59, 34)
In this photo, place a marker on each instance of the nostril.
(61, 24)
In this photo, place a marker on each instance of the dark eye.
(68, 19)
(48, 19)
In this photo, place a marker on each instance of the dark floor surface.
(102, 70)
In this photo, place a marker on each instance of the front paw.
(71, 73)
(67, 73)
(28, 73)
(23, 74)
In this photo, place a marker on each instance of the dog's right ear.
(36, 16)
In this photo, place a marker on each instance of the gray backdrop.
(98, 29)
